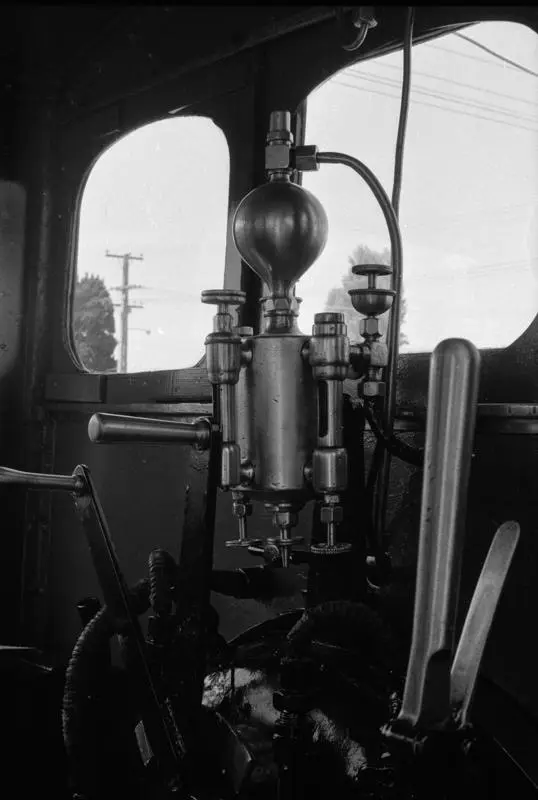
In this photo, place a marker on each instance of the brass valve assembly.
(372, 302)
(279, 394)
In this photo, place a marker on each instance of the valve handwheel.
(225, 298)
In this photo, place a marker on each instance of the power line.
(472, 271)
(497, 55)
(465, 55)
(483, 270)
(440, 95)
(125, 306)
(441, 108)
(379, 63)
(448, 221)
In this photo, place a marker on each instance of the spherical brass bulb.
(280, 229)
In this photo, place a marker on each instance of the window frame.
(302, 114)
(81, 140)
(503, 377)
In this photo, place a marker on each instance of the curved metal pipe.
(393, 334)
(119, 428)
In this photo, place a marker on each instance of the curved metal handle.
(452, 400)
(39, 480)
(479, 619)
(118, 428)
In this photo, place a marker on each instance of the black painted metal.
(193, 589)
(163, 734)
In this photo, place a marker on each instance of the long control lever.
(159, 726)
(452, 398)
(119, 428)
(439, 688)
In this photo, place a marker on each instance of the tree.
(339, 300)
(94, 325)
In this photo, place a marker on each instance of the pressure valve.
(223, 350)
(242, 508)
(279, 393)
(372, 302)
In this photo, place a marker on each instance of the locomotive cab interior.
(268, 391)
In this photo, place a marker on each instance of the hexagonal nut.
(373, 389)
(331, 514)
(285, 519)
(281, 305)
(370, 326)
(306, 158)
(277, 156)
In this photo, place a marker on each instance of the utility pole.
(125, 306)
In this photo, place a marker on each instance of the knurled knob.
(371, 269)
(283, 541)
(329, 318)
(324, 549)
(243, 542)
(224, 297)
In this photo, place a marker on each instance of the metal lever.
(159, 722)
(37, 480)
(164, 736)
(452, 400)
(117, 428)
(479, 619)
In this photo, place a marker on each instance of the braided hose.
(162, 572)
(83, 674)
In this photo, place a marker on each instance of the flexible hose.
(397, 266)
(396, 447)
(162, 571)
(83, 673)
(404, 112)
(381, 463)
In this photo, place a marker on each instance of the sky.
(468, 212)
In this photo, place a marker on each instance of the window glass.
(152, 236)
(469, 203)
